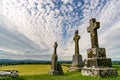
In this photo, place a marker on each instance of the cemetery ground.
(40, 72)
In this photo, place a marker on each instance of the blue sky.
(29, 28)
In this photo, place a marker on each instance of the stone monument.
(56, 68)
(77, 62)
(97, 64)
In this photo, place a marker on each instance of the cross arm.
(97, 24)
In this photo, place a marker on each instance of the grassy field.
(30, 69)
(40, 72)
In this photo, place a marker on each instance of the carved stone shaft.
(76, 39)
(54, 62)
(54, 57)
(55, 48)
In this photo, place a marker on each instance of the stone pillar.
(97, 64)
(54, 58)
(77, 62)
(56, 68)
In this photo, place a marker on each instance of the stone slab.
(98, 62)
(96, 52)
(99, 72)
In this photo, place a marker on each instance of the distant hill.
(7, 61)
(13, 62)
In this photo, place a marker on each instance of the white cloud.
(33, 26)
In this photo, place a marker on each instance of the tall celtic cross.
(76, 39)
(92, 29)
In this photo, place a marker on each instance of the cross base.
(99, 72)
(77, 63)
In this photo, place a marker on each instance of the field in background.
(40, 72)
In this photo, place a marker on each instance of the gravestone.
(56, 68)
(77, 62)
(9, 73)
(97, 64)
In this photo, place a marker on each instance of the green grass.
(67, 76)
(40, 72)
(118, 68)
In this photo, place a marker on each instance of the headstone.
(77, 62)
(56, 68)
(97, 64)
(9, 73)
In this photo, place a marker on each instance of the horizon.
(46, 60)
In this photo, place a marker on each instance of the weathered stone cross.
(76, 39)
(92, 29)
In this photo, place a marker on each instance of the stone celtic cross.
(76, 39)
(92, 29)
